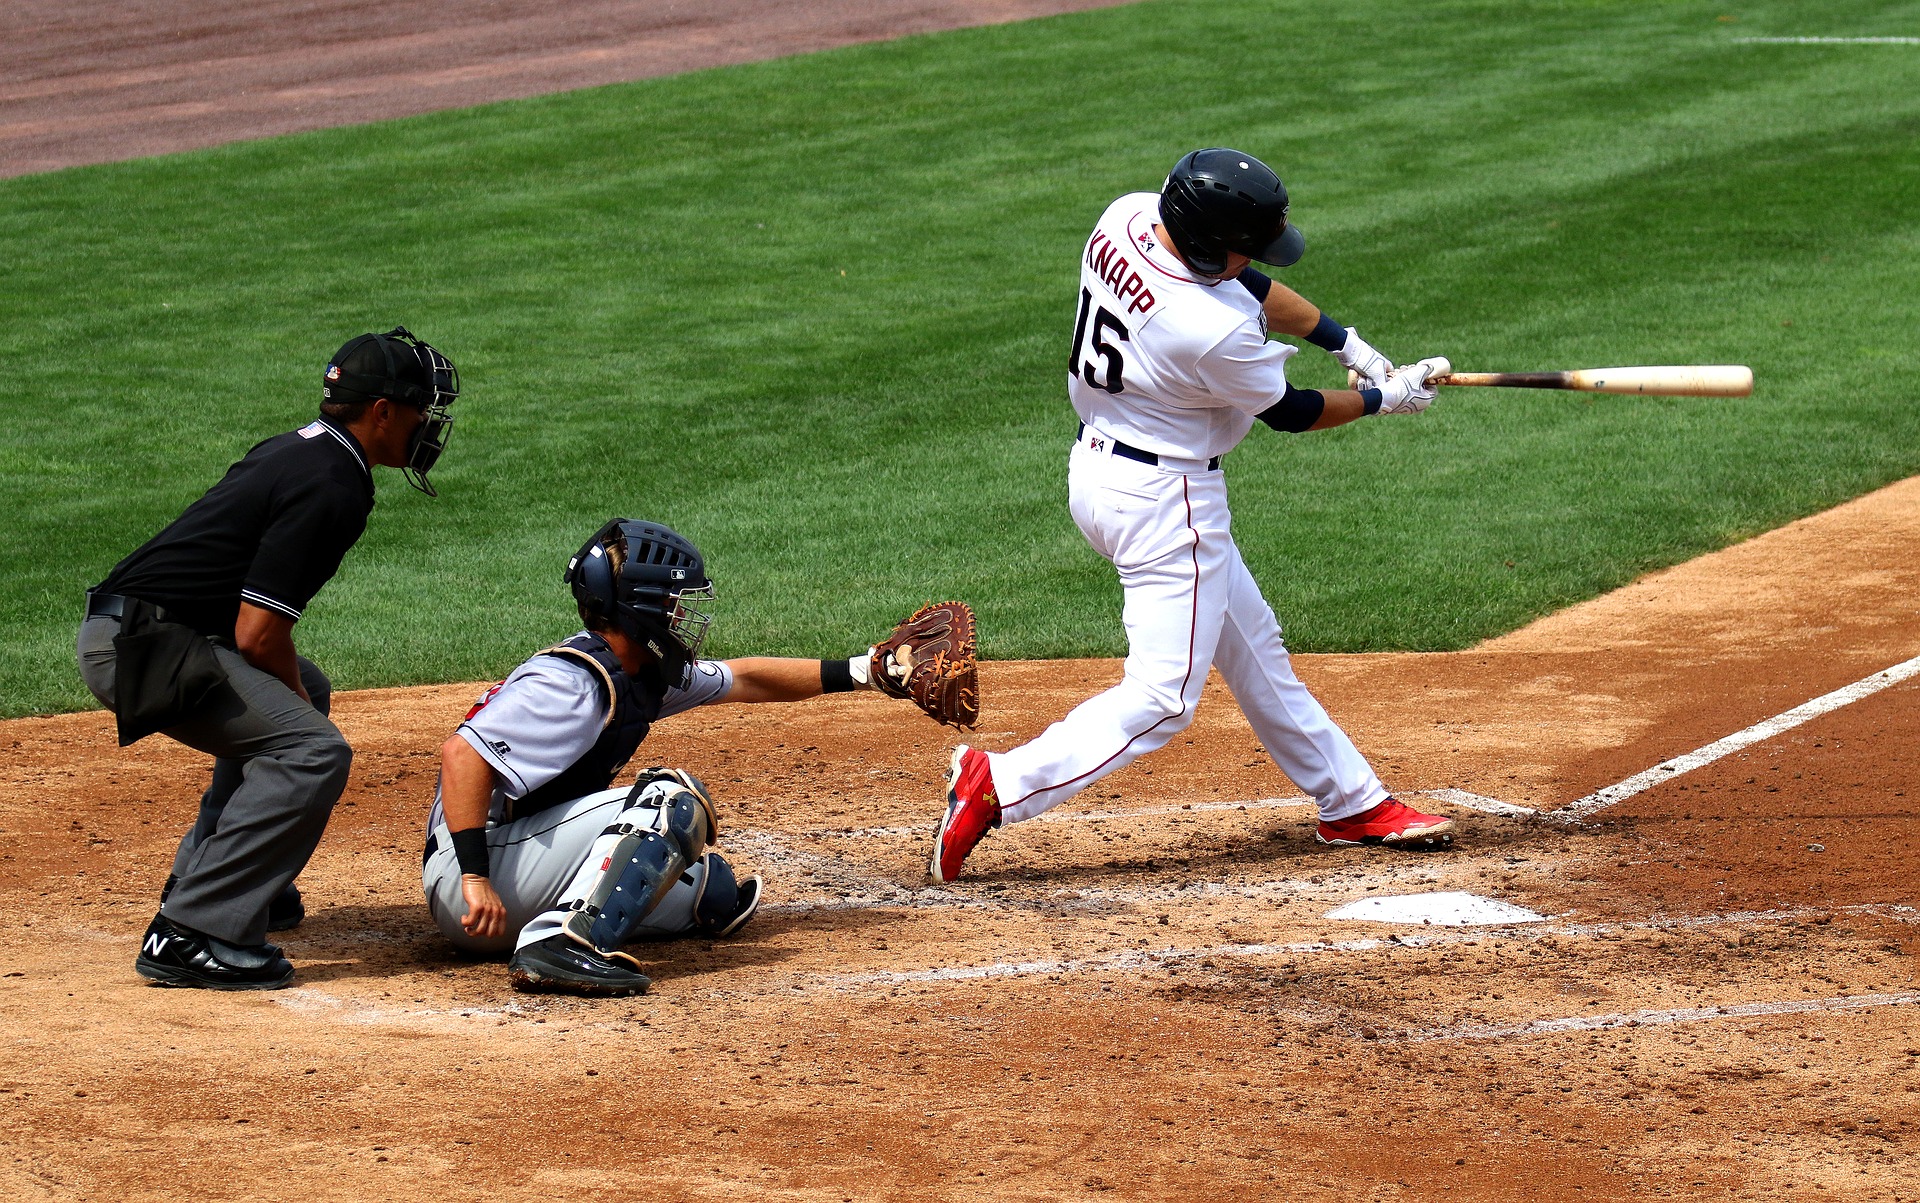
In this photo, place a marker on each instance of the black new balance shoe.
(558, 965)
(172, 955)
(284, 913)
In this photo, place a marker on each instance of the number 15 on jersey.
(1104, 322)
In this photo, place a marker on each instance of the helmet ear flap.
(590, 573)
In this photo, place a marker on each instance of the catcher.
(529, 850)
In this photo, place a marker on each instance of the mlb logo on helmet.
(678, 574)
(333, 371)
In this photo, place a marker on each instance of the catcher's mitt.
(930, 659)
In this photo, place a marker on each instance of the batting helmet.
(1220, 201)
(641, 577)
(407, 371)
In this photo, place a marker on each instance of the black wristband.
(470, 849)
(1329, 335)
(1370, 398)
(836, 676)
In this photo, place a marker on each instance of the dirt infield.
(85, 81)
(1138, 996)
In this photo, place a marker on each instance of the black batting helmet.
(1220, 201)
(640, 577)
(407, 371)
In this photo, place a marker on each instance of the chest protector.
(633, 702)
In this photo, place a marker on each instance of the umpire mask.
(408, 371)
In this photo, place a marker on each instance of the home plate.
(1449, 909)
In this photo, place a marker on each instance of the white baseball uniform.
(531, 728)
(1173, 364)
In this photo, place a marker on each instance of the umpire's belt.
(112, 605)
(1126, 451)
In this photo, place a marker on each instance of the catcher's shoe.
(171, 955)
(1388, 823)
(284, 913)
(560, 965)
(972, 811)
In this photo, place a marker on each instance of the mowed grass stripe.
(643, 286)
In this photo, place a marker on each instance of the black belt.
(433, 846)
(105, 605)
(1134, 453)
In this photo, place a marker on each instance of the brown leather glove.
(930, 659)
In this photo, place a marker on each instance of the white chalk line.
(1144, 959)
(1828, 41)
(1638, 1019)
(1668, 770)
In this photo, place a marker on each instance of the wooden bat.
(1702, 380)
(1721, 380)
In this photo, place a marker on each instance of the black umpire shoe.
(284, 913)
(558, 965)
(172, 955)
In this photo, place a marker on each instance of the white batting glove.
(1367, 365)
(1407, 391)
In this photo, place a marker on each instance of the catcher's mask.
(1218, 201)
(643, 577)
(407, 371)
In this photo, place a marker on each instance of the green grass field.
(813, 313)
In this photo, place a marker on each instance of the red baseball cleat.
(1388, 823)
(972, 811)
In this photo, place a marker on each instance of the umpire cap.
(1218, 202)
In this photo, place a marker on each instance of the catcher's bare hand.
(929, 659)
(486, 916)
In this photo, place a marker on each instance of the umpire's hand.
(486, 915)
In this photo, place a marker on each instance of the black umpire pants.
(279, 766)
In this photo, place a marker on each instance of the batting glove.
(1407, 390)
(1369, 367)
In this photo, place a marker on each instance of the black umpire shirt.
(272, 532)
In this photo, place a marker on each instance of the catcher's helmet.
(407, 371)
(1220, 201)
(640, 577)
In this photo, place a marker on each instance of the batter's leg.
(1303, 740)
(1176, 600)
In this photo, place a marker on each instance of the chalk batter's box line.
(1650, 1018)
(1143, 959)
(1668, 770)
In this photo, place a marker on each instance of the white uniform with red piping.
(1168, 363)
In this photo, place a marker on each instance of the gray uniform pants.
(531, 862)
(279, 766)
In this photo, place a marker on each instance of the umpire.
(192, 636)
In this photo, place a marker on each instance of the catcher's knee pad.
(660, 783)
(726, 902)
(665, 827)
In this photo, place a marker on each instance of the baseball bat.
(1699, 380)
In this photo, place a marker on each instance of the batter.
(1169, 370)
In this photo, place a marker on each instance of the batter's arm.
(466, 794)
(1288, 312)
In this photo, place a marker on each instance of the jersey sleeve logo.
(311, 429)
(481, 704)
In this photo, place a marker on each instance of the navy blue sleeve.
(1297, 410)
(1257, 283)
